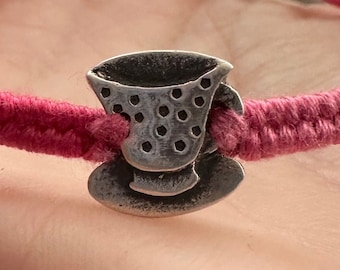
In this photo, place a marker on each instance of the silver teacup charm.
(169, 164)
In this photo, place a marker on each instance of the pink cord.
(333, 2)
(278, 126)
(269, 127)
(59, 128)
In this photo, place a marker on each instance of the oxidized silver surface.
(169, 164)
(109, 184)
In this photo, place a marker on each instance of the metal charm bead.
(169, 164)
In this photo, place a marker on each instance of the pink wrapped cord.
(333, 2)
(60, 128)
(278, 126)
(269, 127)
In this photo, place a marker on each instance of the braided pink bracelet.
(171, 129)
(269, 127)
(159, 159)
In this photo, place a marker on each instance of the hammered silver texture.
(167, 123)
(169, 163)
(109, 184)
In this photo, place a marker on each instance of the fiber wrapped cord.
(60, 128)
(333, 2)
(278, 126)
(269, 127)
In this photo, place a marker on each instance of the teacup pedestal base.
(110, 185)
(164, 183)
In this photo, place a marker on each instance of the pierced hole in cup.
(139, 117)
(182, 115)
(196, 130)
(205, 83)
(105, 92)
(134, 100)
(117, 108)
(161, 131)
(146, 146)
(126, 116)
(163, 111)
(199, 101)
(180, 145)
(176, 93)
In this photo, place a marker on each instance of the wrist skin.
(285, 214)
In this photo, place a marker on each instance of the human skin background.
(285, 215)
